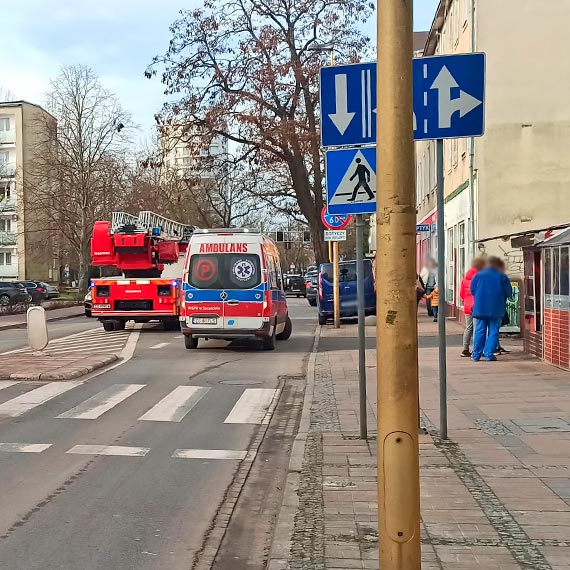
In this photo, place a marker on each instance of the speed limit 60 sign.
(334, 221)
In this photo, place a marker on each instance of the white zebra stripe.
(253, 407)
(174, 406)
(24, 447)
(21, 404)
(102, 402)
(109, 450)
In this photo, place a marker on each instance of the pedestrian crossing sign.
(351, 180)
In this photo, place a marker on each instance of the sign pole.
(397, 343)
(441, 289)
(361, 325)
(336, 292)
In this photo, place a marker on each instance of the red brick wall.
(556, 337)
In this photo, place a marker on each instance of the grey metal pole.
(361, 325)
(441, 289)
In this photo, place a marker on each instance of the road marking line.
(174, 406)
(252, 407)
(102, 402)
(159, 345)
(6, 384)
(210, 454)
(24, 447)
(17, 406)
(109, 450)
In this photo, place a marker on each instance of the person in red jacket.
(467, 298)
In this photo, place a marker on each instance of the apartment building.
(184, 154)
(516, 178)
(25, 251)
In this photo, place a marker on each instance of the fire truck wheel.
(269, 341)
(190, 342)
(109, 326)
(286, 333)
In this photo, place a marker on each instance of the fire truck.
(149, 251)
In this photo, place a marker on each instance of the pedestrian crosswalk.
(92, 341)
(253, 406)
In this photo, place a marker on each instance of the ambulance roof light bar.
(226, 231)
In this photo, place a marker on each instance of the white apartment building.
(516, 178)
(185, 154)
(23, 254)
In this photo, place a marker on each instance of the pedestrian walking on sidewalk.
(467, 298)
(433, 298)
(429, 277)
(490, 289)
(420, 288)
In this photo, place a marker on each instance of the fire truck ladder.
(169, 229)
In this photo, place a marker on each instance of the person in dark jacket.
(490, 289)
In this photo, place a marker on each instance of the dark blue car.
(347, 289)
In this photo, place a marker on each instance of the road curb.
(281, 544)
(87, 366)
(49, 320)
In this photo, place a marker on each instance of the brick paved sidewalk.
(496, 495)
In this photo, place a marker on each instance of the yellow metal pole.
(336, 291)
(397, 351)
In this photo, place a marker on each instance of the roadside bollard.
(37, 329)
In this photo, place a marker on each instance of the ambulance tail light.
(266, 304)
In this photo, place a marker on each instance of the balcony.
(8, 137)
(7, 238)
(7, 169)
(7, 205)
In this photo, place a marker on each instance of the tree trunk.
(319, 244)
(84, 263)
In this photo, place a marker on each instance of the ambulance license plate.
(204, 320)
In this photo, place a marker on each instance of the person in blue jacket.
(490, 289)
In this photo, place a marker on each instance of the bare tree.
(76, 177)
(6, 94)
(246, 69)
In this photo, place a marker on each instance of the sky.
(116, 38)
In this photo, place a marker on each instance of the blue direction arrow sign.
(449, 100)
(351, 180)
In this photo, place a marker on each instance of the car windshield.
(224, 271)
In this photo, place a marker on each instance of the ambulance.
(232, 287)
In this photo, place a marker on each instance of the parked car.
(36, 289)
(52, 290)
(312, 285)
(296, 285)
(347, 290)
(87, 301)
(12, 293)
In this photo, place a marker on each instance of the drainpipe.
(472, 158)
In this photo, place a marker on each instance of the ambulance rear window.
(224, 271)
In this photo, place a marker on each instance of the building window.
(5, 225)
(454, 152)
(462, 265)
(4, 124)
(450, 269)
(4, 191)
(5, 258)
(4, 156)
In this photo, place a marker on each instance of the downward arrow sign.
(341, 117)
(465, 103)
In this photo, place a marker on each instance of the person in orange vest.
(434, 298)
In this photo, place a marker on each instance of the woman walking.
(467, 298)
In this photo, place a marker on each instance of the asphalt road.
(171, 426)
(12, 339)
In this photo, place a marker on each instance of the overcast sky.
(117, 38)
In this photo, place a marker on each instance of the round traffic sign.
(334, 221)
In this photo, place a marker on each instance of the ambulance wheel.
(190, 342)
(286, 332)
(322, 320)
(269, 341)
(109, 326)
(119, 325)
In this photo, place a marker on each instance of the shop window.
(564, 271)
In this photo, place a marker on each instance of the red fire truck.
(149, 250)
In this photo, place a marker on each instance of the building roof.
(420, 39)
(22, 102)
(560, 238)
(436, 27)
